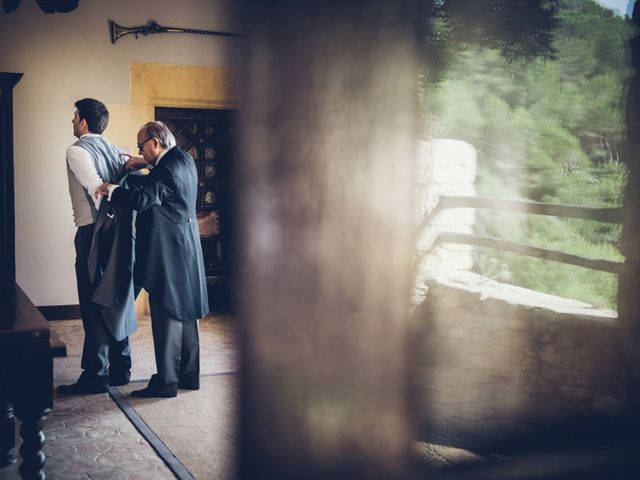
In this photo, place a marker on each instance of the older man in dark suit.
(169, 264)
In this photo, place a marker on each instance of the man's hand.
(102, 190)
(134, 163)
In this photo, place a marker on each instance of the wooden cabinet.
(7, 204)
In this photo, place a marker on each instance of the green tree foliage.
(517, 28)
(548, 126)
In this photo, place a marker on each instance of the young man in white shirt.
(91, 160)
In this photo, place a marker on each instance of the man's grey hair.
(160, 131)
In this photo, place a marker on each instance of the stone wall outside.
(490, 350)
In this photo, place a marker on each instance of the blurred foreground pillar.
(629, 282)
(324, 208)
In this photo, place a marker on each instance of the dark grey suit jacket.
(111, 270)
(169, 263)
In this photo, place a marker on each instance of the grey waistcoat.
(110, 167)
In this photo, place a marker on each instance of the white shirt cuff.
(110, 189)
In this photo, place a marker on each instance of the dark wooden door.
(206, 134)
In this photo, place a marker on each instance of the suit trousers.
(102, 355)
(177, 351)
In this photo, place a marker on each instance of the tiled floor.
(88, 437)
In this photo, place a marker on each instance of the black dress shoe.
(152, 392)
(189, 385)
(81, 388)
(119, 380)
(189, 381)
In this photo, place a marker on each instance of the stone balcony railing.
(492, 355)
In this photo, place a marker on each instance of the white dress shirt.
(81, 165)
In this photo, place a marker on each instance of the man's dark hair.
(94, 112)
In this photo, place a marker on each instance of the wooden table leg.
(32, 440)
(7, 434)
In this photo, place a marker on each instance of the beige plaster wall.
(70, 56)
(161, 85)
